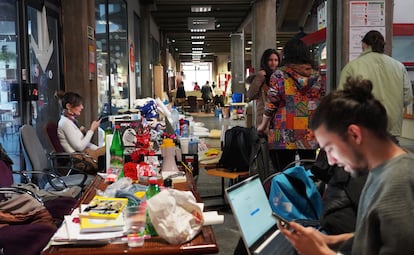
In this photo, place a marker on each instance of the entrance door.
(29, 54)
(10, 115)
(43, 65)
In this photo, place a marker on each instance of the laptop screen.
(251, 208)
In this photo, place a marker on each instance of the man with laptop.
(253, 214)
(351, 125)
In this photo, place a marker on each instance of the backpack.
(237, 148)
(294, 196)
(260, 162)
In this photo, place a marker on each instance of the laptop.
(253, 214)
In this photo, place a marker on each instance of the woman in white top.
(72, 136)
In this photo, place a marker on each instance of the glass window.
(402, 48)
(112, 53)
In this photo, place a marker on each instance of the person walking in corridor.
(391, 83)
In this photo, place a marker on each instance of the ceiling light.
(200, 8)
(196, 53)
(198, 30)
(218, 25)
(250, 42)
(198, 37)
(197, 49)
(173, 40)
(199, 43)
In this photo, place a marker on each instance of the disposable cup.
(184, 145)
(135, 219)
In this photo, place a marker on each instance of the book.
(93, 225)
(104, 208)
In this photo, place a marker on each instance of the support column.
(146, 70)
(237, 63)
(264, 29)
(75, 50)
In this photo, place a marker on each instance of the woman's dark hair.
(72, 98)
(296, 52)
(355, 104)
(264, 62)
(375, 39)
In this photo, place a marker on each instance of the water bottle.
(117, 154)
(152, 190)
(175, 116)
(297, 158)
(184, 131)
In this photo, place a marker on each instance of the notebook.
(253, 214)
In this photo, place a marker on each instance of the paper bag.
(175, 215)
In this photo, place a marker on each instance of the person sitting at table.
(72, 136)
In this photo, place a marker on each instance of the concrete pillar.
(75, 49)
(146, 70)
(237, 63)
(264, 29)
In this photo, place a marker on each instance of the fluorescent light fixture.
(248, 48)
(200, 8)
(198, 43)
(198, 30)
(197, 49)
(196, 53)
(250, 42)
(198, 37)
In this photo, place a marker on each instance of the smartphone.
(282, 221)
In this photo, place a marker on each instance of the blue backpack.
(294, 196)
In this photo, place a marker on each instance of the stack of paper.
(70, 231)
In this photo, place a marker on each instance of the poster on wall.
(363, 17)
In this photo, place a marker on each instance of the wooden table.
(203, 243)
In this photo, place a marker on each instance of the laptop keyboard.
(278, 246)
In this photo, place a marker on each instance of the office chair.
(52, 175)
(77, 160)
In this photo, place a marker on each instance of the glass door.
(44, 66)
(9, 95)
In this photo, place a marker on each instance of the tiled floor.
(227, 234)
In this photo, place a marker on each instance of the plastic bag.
(175, 215)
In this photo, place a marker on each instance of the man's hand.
(306, 240)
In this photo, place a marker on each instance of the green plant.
(5, 55)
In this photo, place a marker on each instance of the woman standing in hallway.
(260, 84)
(295, 91)
(72, 136)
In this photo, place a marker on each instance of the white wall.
(403, 14)
(403, 11)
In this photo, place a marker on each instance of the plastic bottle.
(184, 131)
(152, 190)
(175, 117)
(117, 154)
(297, 158)
(190, 166)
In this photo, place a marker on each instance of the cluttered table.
(203, 243)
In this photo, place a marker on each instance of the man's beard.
(359, 170)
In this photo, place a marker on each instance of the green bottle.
(117, 154)
(152, 190)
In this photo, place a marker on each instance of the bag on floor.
(260, 162)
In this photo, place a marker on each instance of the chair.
(52, 176)
(34, 236)
(76, 160)
(192, 102)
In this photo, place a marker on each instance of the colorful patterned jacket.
(291, 101)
